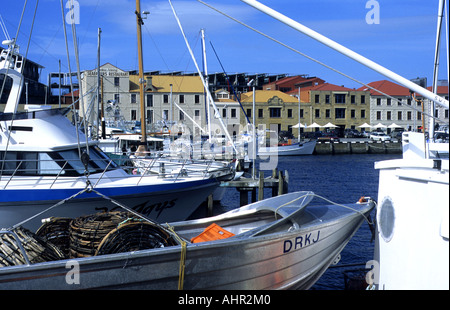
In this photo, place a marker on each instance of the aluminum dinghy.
(278, 243)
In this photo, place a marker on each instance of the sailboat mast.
(139, 22)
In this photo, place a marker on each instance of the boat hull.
(306, 148)
(284, 257)
(162, 202)
(412, 240)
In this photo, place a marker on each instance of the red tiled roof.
(441, 90)
(329, 87)
(387, 87)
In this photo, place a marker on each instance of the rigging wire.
(317, 61)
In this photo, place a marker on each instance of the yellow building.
(275, 109)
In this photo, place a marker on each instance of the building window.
(339, 98)
(181, 116)
(224, 112)
(352, 99)
(249, 113)
(363, 99)
(353, 113)
(339, 112)
(388, 115)
(260, 113)
(133, 115)
(233, 113)
(149, 101)
(316, 99)
(149, 116)
(446, 113)
(117, 98)
(133, 98)
(327, 98)
(399, 101)
(166, 99)
(275, 112)
(409, 115)
(181, 98)
(419, 116)
(289, 113)
(317, 113)
(378, 115)
(327, 113)
(197, 115)
(378, 101)
(363, 113)
(301, 113)
(197, 99)
(116, 81)
(165, 115)
(399, 115)
(388, 102)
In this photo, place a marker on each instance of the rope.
(86, 189)
(182, 257)
(370, 222)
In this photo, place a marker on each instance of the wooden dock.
(278, 182)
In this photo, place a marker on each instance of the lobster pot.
(87, 232)
(36, 249)
(56, 231)
(135, 236)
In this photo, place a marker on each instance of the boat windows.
(53, 163)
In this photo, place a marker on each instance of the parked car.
(365, 134)
(311, 135)
(379, 136)
(441, 136)
(397, 133)
(328, 137)
(352, 133)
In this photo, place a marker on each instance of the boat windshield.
(65, 162)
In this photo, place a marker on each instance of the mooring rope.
(182, 257)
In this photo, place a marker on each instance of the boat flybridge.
(45, 159)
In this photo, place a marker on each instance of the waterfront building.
(339, 105)
(274, 109)
(403, 110)
(441, 113)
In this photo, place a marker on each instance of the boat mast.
(436, 64)
(143, 145)
(205, 72)
(347, 52)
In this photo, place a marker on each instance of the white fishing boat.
(299, 148)
(278, 243)
(44, 159)
(412, 237)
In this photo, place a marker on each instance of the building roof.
(441, 90)
(161, 83)
(387, 87)
(329, 87)
(266, 95)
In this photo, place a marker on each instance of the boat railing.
(33, 168)
(53, 170)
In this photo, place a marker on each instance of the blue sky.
(403, 41)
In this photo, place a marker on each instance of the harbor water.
(341, 179)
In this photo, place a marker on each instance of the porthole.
(386, 219)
